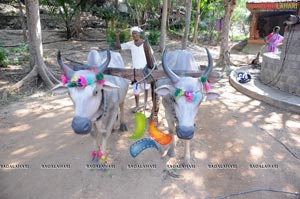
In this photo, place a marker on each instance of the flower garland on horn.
(205, 84)
(82, 81)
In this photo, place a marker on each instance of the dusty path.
(234, 131)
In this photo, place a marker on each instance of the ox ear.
(60, 89)
(165, 90)
(108, 85)
(212, 96)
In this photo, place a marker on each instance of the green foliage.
(238, 37)
(65, 10)
(178, 25)
(153, 37)
(4, 61)
(153, 24)
(23, 47)
(111, 37)
(14, 55)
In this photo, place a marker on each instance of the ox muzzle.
(185, 132)
(81, 125)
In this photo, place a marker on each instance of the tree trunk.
(117, 5)
(137, 13)
(69, 31)
(187, 23)
(195, 38)
(77, 21)
(22, 19)
(168, 14)
(30, 77)
(33, 15)
(163, 28)
(224, 57)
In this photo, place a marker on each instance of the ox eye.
(174, 100)
(95, 92)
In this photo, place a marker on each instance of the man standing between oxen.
(136, 46)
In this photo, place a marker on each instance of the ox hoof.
(171, 153)
(187, 160)
(123, 127)
(94, 160)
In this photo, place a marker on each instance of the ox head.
(85, 87)
(187, 94)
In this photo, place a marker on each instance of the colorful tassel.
(178, 93)
(101, 82)
(100, 154)
(89, 81)
(203, 79)
(195, 97)
(64, 79)
(206, 87)
(189, 96)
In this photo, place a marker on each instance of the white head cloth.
(135, 29)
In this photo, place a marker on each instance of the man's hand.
(118, 33)
(118, 45)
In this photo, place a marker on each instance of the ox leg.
(123, 126)
(155, 103)
(187, 153)
(105, 127)
(96, 141)
(171, 125)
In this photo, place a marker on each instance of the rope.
(287, 148)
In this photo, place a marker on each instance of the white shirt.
(137, 53)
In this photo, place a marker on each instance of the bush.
(111, 37)
(22, 48)
(153, 37)
(4, 61)
(153, 24)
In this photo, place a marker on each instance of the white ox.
(97, 102)
(176, 90)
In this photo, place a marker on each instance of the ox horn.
(210, 64)
(104, 66)
(174, 78)
(68, 71)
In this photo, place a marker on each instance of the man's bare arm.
(118, 44)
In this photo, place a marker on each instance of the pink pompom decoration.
(64, 79)
(93, 153)
(101, 82)
(83, 81)
(100, 154)
(206, 87)
(189, 96)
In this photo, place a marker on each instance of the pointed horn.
(103, 66)
(174, 78)
(210, 64)
(67, 71)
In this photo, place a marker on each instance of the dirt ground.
(245, 134)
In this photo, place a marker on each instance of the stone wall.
(282, 70)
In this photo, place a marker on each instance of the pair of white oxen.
(97, 98)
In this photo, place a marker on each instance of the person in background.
(136, 46)
(273, 40)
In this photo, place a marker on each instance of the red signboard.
(274, 6)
